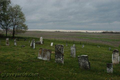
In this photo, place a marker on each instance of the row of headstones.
(59, 57)
(83, 61)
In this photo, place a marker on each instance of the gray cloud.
(71, 14)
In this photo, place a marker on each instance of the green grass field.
(17, 59)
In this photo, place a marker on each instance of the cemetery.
(64, 60)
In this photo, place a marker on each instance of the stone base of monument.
(84, 62)
(109, 68)
(44, 54)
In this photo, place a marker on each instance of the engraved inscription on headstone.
(84, 62)
(73, 51)
(15, 42)
(115, 57)
(7, 41)
(59, 54)
(109, 68)
(44, 54)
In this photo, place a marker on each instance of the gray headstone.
(73, 45)
(109, 68)
(73, 51)
(83, 46)
(59, 54)
(115, 57)
(84, 62)
(32, 44)
(7, 41)
(44, 54)
(109, 48)
(15, 43)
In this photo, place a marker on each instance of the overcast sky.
(71, 14)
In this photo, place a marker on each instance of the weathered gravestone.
(83, 46)
(32, 44)
(109, 48)
(59, 54)
(109, 68)
(41, 40)
(7, 41)
(73, 45)
(15, 44)
(73, 51)
(84, 62)
(115, 57)
(51, 44)
(44, 54)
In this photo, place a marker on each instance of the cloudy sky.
(71, 14)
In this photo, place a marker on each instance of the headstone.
(73, 45)
(44, 54)
(115, 57)
(109, 48)
(51, 44)
(7, 41)
(83, 46)
(15, 44)
(73, 51)
(109, 68)
(59, 54)
(32, 44)
(84, 62)
(41, 40)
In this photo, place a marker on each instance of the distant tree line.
(12, 18)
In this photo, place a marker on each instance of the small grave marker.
(51, 44)
(115, 57)
(15, 44)
(83, 46)
(84, 62)
(59, 54)
(7, 41)
(44, 54)
(41, 40)
(109, 68)
(73, 51)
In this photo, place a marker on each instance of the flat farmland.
(101, 38)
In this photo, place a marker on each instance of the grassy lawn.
(17, 59)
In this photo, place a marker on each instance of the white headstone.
(115, 57)
(51, 44)
(34, 44)
(41, 40)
